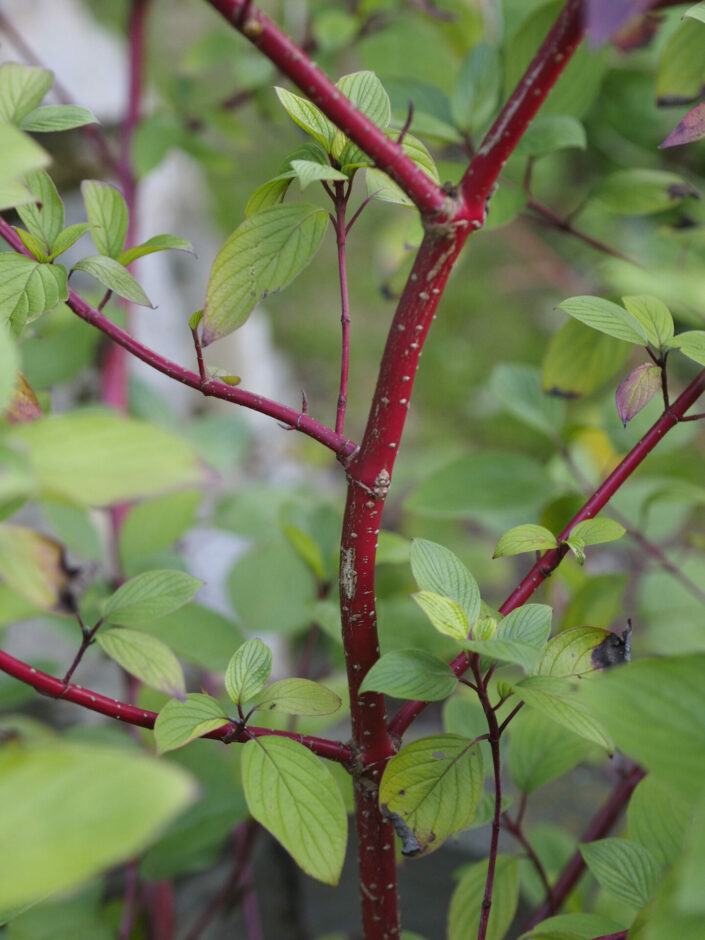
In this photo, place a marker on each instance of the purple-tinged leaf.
(690, 128)
(605, 17)
(636, 391)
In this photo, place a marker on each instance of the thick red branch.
(121, 711)
(552, 558)
(296, 65)
(538, 80)
(340, 445)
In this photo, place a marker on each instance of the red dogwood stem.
(552, 558)
(121, 711)
(296, 65)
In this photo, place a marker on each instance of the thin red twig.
(340, 200)
(121, 711)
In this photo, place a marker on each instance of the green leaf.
(308, 549)
(530, 623)
(33, 244)
(198, 634)
(659, 819)
(264, 254)
(195, 319)
(691, 344)
(152, 527)
(248, 670)
(681, 73)
(641, 192)
(446, 616)
(392, 549)
(573, 927)
(68, 237)
(627, 870)
(155, 243)
(696, 12)
(541, 750)
(490, 485)
(557, 700)
(9, 367)
(293, 795)
(366, 92)
(28, 289)
(33, 565)
(382, 186)
(22, 88)
(46, 219)
(518, 389)
(145, 657)
(296, 697)
(12, 194)
(106, 210)
(577, 547)
(570, 652)
(65, 797)
(466, 902)
(524, 538)
(307, 116)
(112, 275)
(606, 317)
(550, 133)
(148, 596)
(477, 87)
(654, 316)
(309, 172)
(411, 674)
(179, 723)
(437, 569)
(112, 459)
(654, 709)
(434, 785)
(596, 531)
(268, 194)
(20, 155)
(57, 117)
(579, 360)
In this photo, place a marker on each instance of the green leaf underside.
(248, 670)
(605, 316)
(106, 210)
(541, 750)
(45, 218)
(627, 870)
(411, 674)
(434, 785)
(466, 902)
(691, 344)
(112, 459)
(579, 359)
(570, 652)
(555, 698)
(658, 819)
(150, 595)
(293, 795)
(367, 93)
(597, 531)
(180, 722)
(296, 697)
(520, 637)
(445, 615)
(310, 118)
(22, 88)
(65, 797)
(577, 547)
(264, 254)
(68, 237)
(113, 275)
(573, 927)
(145, 657)
(525, 538)
(57, 117)
(155, 243)
(438, 570)
(28, 289)
(654, 316)
(20, 155)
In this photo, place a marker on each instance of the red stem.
(129, 906)
(538, 80)
(56, 688)
(552, 558)
(341, 233)
(161, 910)
(601, 824)
(296, 65)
